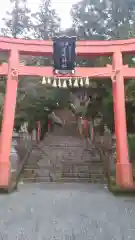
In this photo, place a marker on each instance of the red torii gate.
(117, 72)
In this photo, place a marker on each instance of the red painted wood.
(8, 119)
(100, 72)
(123, 167)
(104, 72)
(38, 47)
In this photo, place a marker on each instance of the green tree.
(120, 19)
(106, 19)
(17, 21)
(46, 22)
(88, 19)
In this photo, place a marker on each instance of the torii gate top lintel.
(39, 47)
(83, 48)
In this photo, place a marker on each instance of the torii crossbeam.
(117, 72)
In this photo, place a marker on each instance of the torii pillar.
(8, 118)
(123, 166)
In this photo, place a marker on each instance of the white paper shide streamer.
(49, 81)
(62, 83)
(65, 84)
(76, 85)
(44, 80)
(70, 82)
(81, 82)
(54, 83)
(87, 83)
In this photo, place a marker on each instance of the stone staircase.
(64, 157)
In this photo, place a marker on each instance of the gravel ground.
(66, 212)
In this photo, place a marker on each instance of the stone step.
(71, 179)
(79, 174)
(57, 175)
(28, 173)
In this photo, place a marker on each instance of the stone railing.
(21, 148)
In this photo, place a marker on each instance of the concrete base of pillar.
(124, 175)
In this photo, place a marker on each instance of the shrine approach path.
(66, 212)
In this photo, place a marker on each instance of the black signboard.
(64, 53)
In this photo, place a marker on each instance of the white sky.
(62, 7)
